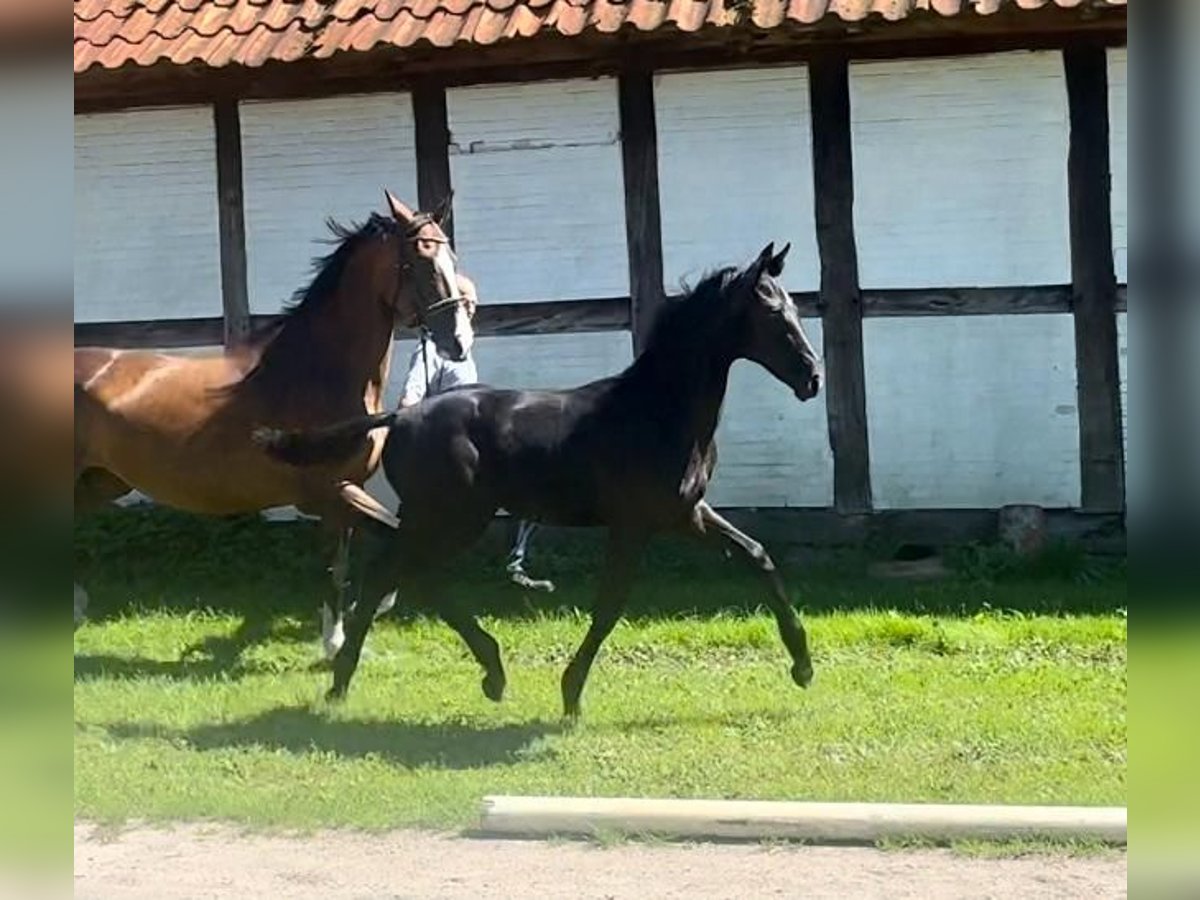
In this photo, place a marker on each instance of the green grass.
(196, 697)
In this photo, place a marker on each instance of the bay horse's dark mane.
(278, 338)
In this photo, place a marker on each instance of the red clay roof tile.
(112, 33)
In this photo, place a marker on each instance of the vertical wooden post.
(432, 128)
(840, 297)
(235, 297)
(1093, 281)
(643, 223)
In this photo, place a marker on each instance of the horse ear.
(760, 263)
(444, 210)
(775, 265)
(400, 212)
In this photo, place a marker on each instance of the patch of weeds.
(1059, 560)
(900, 843)
(1016, 848)
(606, 837)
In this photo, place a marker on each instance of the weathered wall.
(538, 204)
(960, 180)
(735, 172)
(960, 171)
(146, 242)
(304, 161)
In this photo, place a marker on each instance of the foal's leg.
(381, 574)
(333, 634)
(481, 644)
(708, 522)
(615, 582)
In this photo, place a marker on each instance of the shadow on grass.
(302, 731)
(217, 656)
(130, 559)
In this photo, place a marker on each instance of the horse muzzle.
(809, 388)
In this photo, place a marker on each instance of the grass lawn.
(195, 695)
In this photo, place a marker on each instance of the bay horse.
(633, 452)
(177, 428)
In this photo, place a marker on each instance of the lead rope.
(425, 359)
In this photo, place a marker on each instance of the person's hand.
(466, 287)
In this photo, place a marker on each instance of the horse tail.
(320, 445)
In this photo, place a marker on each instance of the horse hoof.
(802, 674)
(493, 688)
(335, 695)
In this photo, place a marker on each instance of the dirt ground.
(218, 861)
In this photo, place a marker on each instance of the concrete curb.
(815, 822)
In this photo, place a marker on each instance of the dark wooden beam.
(554, 317)
(235, 298)
(1093, 282)
(559, 317)
(613, 314)
(840, 298)
(1049, 298)
(643, 220)
(160, 334)
(432, 128)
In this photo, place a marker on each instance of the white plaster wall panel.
(735, 171)
(304, 161)
(537, 361)
(539, 208)
(1118, 138)
(146, 236)
(552, 361)
(960, 171)
(972, 411)
(772, 450)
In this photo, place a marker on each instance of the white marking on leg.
(333, 632)
(388, 602)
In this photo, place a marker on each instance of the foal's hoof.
(802, 674)
(493, 688)
(335, 694)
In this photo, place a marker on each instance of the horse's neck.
(357, 342)
(691, 385)
(338, 350)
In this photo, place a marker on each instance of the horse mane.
(278, 338)
(684, 323)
